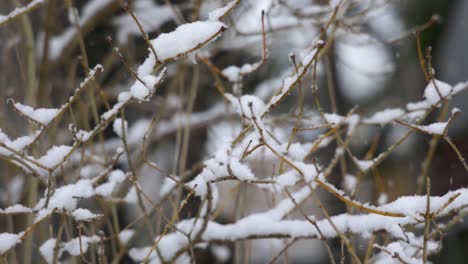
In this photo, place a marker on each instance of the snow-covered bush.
(222, 139)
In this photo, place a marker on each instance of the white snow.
(126, 235)
(117, 127)
(73, 246)
(437, 90)
(83, 135)
(289, 82)
(42, 214)
(249, 105)
(167, 186)
(240, 171)
(272, 222)
(47, 250)
(132, 196)
(3, 137)
(186, 38)
(364, 165)
(82, 214)
(17, 209)
(435, 128)
(20, 143)
(220, 12)
(383, 199)
(117, 176)
(141, 91)
(139, 254)
(7, 241)
(232, 73)
(40, 115)
(332, 118)
(222, 253)
(114, 110)
(66, 197)
(106, 189)
(350, 182)
(55, 156)
(384, 117)
(91, 170)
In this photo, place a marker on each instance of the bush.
(187, 157)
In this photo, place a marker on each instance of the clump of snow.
(139, 254)
(16, 209)
(124, 96)
(132, 196)
(240, 170)
(364, 165)
(42, 214)
(350, 182)
(117, 176)
(126, 235)
(78, 245)
(404, 252)
(47, 250)
(7, 241)
(141, 91)
(114, 110)
(222, 253)
(435, 128)
(386, 116)
(83, 135)
(117, 127)
(232, 73)
(55, 156)
(437, 90)
(289, 82)
(19, 143)
(74, 247)
(455, 111)
(288, 178)
(106, 189)
(220, 12)
(249, 105)
(90, 170)
(82, 214)
(333, 118)
(3, 137)
(185, 38)
(383, 199)
(168, 185)
(40, 115)
(66, 197)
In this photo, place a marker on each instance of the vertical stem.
(32, 199)
(427, 220)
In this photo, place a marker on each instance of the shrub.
(113, 170)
